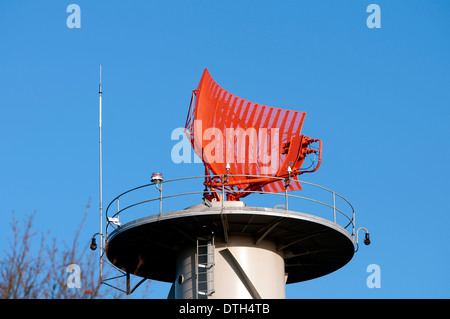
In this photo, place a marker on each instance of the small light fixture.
(157, 178)
(367, 239)
(227, 167)
(93, 245)
(287, 181)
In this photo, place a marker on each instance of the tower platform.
(309, 245)
(227, 249)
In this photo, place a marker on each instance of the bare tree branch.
(29, 273)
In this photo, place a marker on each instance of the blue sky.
(378, 98)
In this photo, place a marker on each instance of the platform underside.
(312, 246)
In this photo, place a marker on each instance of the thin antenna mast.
(100, 175)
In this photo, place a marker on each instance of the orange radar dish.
(245, 146)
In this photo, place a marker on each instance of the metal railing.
(289, 197)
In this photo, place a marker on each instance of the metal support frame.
(128, 289)
(231, 259)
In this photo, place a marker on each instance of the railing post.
(286, 198)
(160, 200)
(287, 183)
(334, 207)
(223, 190)
(353, 221)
